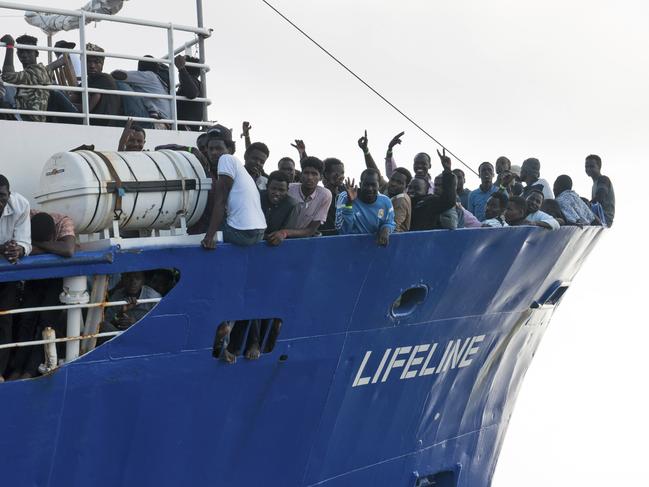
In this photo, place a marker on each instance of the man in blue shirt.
(479, 197)
(365, 210)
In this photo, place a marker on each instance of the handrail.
(138, 94)
(34, 343)
(62, 307)
(12, 111)
(97, 16)
(161, 60)
(83, 16)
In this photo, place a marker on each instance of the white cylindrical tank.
(156, 189)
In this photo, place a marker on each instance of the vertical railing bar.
(172, 76)
(84, 70)
(201, 54)
(49, 53)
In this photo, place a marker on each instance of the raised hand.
(395, 140)
(246, 127)
(300, 146)
(7, 39)
(352, 190)
(362, 142)
(444, 159)
(180, 61)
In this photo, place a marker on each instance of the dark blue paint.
(154, 408)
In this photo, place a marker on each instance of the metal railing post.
(74, 292)
(201, 54)
(49, 53)
(84, 70)
(172, 77)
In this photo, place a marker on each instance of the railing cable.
(370, 87)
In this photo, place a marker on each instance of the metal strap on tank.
(119, 191)
(164, 195)
(137, 194)
(80, 151)
(199, 185)
(183, 211)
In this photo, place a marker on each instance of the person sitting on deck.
(313, 200)
(34, 73)
(254, 159)
(334, 177)
(478, 197)
(575, 211)
(516, 212)
(189, 87)
(279, 208)
(147, 79)
(531, 176)
(52, 233)
(602, 191)
(427, 209)
(99, 103)
(494, 211)
(534, 214)
(243, 223)
(15, 243)
(131, 289)
(133, 138)
(287, 166)
(365, 210)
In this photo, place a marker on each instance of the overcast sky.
(556, 80)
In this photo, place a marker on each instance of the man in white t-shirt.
(236, 200)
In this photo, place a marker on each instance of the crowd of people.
(308, 198)
(150, 77)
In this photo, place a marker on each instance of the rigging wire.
(371, 88)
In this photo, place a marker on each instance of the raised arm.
(126, 136)
(8, 66)
(390, 164)
(369, 160)
(188, 85)
(245, 134)
(301, 148)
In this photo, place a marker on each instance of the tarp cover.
(53, 23)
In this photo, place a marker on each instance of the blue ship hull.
(153, 407)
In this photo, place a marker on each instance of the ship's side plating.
(153, 407)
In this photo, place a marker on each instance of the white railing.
(85, 91)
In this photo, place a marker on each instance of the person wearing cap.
(33, 73)
(98, 103)
(236, 209)
(531, 176)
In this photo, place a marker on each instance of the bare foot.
(2, 379)
(229, 357)
(26, 375)
(253, 353)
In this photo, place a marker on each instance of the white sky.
(557, 80)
